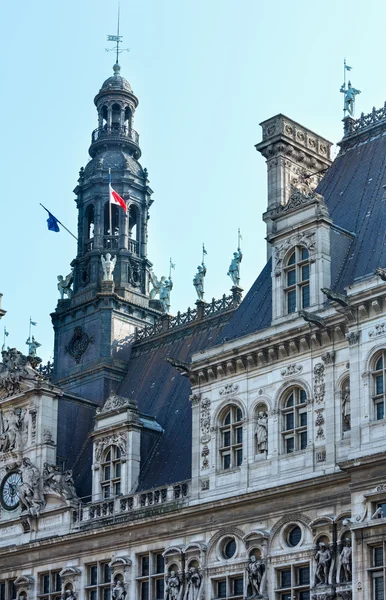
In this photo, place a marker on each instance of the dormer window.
(297, 280)
(111, 472)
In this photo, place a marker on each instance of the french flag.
(116, 198)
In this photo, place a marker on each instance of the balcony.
(115, 132)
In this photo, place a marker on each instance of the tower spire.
(117, 39)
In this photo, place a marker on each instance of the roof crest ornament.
(118, 40)
(349, 94)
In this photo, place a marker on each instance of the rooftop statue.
(33, 345)
(164, 294)
(108, 265)
(234, 267)
(156, 283)
(64, 285)
(349, 97)
(198, 281)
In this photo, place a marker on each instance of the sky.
(206, 73)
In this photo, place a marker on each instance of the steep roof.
(163, 392)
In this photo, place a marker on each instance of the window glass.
(159, 589)
(160, 563)
(238, 586)
(294, 536)
(285, 578)
(304, 253)
(378, 556)
(303, 575)
(291, 277)
(93, 575)
(230, 549)
(145, 565)
(380, 411)
(291, 301)
(221, 589)
(305, 296)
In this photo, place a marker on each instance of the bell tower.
(93, 327)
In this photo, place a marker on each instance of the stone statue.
(108, 265)
(193, 584)
(15, 368)
(349, 97)
(30, 490)
(64, 285)
(173, 585)
(156, 283)
(68, 595)
(262, 432)
(255, 570)
(346, 410)
(33, 345)
(234, 267)
(118, 591)
(346, 559)
(12, 429)
(198, 281)
(323, 560)
(59, 482)
(164, 295)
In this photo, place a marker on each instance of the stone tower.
(93, 328)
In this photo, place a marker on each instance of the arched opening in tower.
(116, 112)
(133, 229)
(110, 237)
(89, 222)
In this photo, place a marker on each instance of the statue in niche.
(349, 98)
(156, 283)
(346, 408)
(255, 570)
(108, 266)
(346, 559)
(173, 585)
(64, 285)
(118, 591)
(261, 432)
(323, 561)
(30, 490)
(198, 281)
(12, 430)
(164, 295)
(68, 594)
(234, 267)
(193, 584)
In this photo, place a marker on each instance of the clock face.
(9, 491)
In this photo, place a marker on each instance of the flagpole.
(111, 231)
(64, 227)
(29, 336)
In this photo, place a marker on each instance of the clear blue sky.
(206, 73)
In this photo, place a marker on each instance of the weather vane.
(118, 40)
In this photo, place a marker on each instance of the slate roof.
(163, 392)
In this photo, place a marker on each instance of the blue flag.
(52, 223)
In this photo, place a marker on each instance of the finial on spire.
(118, 40)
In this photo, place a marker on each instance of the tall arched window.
(231, 437)
(378, 377)
(111, 472)
(89, 227)
(294, 420)
(297, 280)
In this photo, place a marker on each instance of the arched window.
(111, 472)
(378, 377)
(231, 438)
(89, 227)
(133, 229)
(297, 280)
(294, 420)
(116, 117)
(111, 238)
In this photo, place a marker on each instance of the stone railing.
(364, 121)
(202, 310)
(120, 505)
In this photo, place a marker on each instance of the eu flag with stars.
(52, 223)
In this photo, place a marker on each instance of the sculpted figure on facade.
(198, 281)
(156, 283)
(234, 267)
(68, 594)
(173, 585)
(346, 409)
(349, 97)
(14, 368)
(255, 571)
(108, 266)
(30, 490)
(64, 285)
(61, 483)
(262, 432)
(323, 561)
(12, 429)
(193, 584)
(118, 591)
(346, 561)
(164, 294)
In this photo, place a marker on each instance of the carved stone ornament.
(115, 402)
(328, 358)
(195, 399)
(380, 329)
(229, 388)
(205, 421)
(134, 277)
(291, 370)
(352, 337)
(204, 454)
(78, 344)
(304, 238)
(319, 385)
(320, 455)
(204, 484)
(13, 430)
(59, 482)
(300, 197)
(116, 439)
(15, 369)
